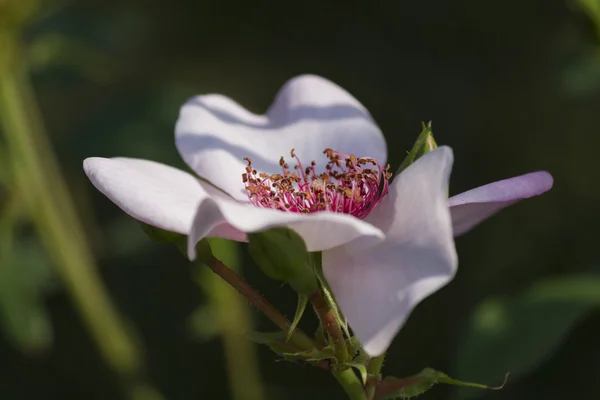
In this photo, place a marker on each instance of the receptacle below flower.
(381, 254)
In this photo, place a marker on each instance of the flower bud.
(281, 254)
(423, 145)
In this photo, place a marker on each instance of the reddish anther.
(350, 185)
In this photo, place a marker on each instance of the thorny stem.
(330, 325)
(345, 377)
(350, 383)
(374, 370)
(238, 283)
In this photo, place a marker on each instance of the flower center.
(349, 185)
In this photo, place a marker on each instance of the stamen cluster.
(349, 185)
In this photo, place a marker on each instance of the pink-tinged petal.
(213, 133)
(378, 287)
(470, 208)
(320, 231)
(153, 193)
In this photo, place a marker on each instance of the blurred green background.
(92, 309)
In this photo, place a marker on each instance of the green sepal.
(358, 357)
(204, 252)
(209, 249)
(423, 145)
(361, 368)
(326, 353)
(278, 343)
(337, 314)
(300, 307)
(163, 236)
(281, 254)
(160, 235)
(406, 388)
(313, 355)
(354, 347)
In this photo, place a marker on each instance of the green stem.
(374, 370)
(36, 174)
(350, 383)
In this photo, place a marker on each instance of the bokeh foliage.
(513, 86)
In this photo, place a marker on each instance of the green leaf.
(266, 337)
(327, 353)
(275, 340)
(402, 388)
(449, 381)
(406, 388)
(300, 307)
(423, 145)
(516, 334)
(281, 254)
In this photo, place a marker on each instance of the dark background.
(512, 86)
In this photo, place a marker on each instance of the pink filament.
(349, 185)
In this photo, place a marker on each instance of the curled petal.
(320, 231)
(154, 193)
(213, 133)
(377, 287)
(472, 207)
